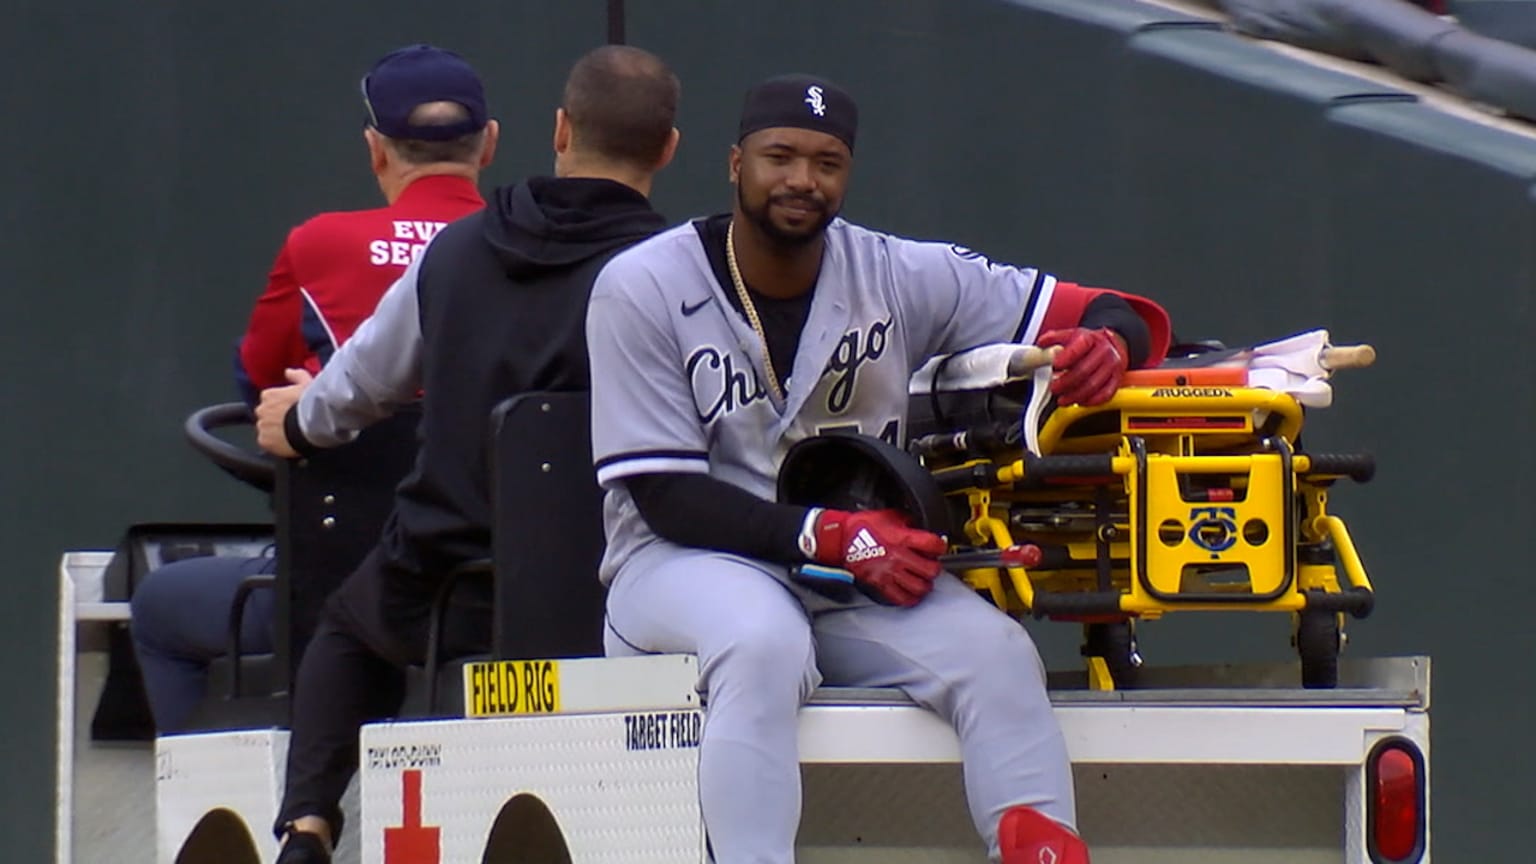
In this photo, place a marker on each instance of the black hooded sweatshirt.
(503, 300)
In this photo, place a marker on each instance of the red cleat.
(1027, 836)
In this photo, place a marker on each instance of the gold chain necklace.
(751, 309)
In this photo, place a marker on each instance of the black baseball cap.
(801, 102)
(409, 77)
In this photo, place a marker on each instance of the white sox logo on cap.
(813, 99)
(800, 102)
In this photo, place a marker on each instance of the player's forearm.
(704, 512)
(332, 412)
(368, 378)
(1111, 311)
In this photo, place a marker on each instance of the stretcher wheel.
(1115, 641)
(1317, 642)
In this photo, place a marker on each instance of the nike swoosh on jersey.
(689, 310)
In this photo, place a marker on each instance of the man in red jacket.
(428, 136)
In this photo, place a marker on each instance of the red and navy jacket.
(330, 274)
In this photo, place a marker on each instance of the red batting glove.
(891, 562)
(1089, 366)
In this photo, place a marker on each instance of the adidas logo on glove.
(863, 547)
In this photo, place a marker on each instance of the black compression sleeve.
(700, 511)
(1110, 310)
(294, 432)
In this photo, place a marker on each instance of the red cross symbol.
(412, 842)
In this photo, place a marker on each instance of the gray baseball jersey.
(677, 377)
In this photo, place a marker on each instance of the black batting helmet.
(849, 471)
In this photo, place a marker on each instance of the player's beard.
(786, 237)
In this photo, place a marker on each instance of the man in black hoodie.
(495, 306)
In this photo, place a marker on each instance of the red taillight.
(1395, 807)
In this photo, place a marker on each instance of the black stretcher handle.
(976, 475)
(1359, 467)
(1076, 603)
(1356, 601)
(1048, 467)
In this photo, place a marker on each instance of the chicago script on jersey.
(854, 350)
(719, 387)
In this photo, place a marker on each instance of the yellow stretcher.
(1187, 490)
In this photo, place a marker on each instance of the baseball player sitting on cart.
(718, 344)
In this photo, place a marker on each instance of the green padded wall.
(1433, 252)
(158, 154)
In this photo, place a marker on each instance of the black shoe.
(303, 847)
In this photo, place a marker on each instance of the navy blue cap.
(409, 77)
(802, 102)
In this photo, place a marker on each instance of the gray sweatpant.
(764, 644)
